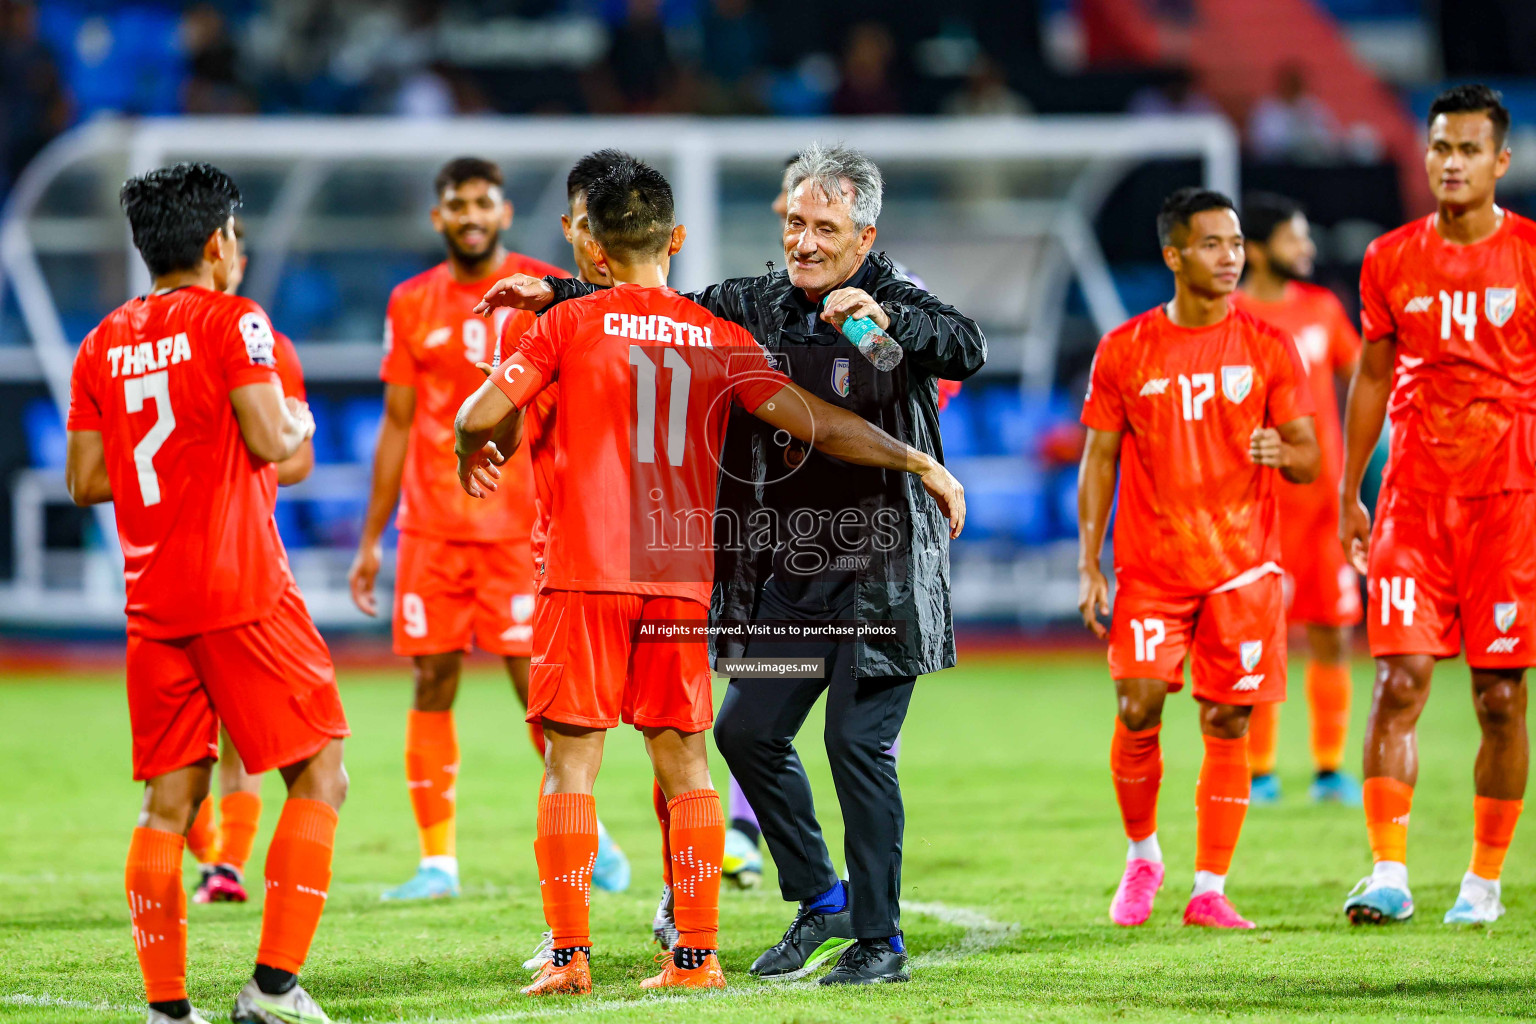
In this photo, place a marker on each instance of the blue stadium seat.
(328, 436)
(290, 524)
(1008, 424)
(117, 58)
(357, 428)
(1004, 499)
(46, 442)
(957, 428)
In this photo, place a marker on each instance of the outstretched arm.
(1364, 413)
(1095, 495)
(844, 435)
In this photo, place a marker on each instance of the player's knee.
(1224, 721)
(1137, 715)
(1399, 692)
(437, 683)
(1501, 704)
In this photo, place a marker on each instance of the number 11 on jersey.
(645, 404)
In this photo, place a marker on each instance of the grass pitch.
(1013, 850)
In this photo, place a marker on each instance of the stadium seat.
(1004, 499)
(357, 428)
(957, 427)
(1009, 423)
(328, 437)
(46, 442)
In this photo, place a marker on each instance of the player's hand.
(485, 368)
(516, 292)
(853, 302)
(365, 569)
(1265, 447)
(946, 490)
(477, 470)
(299, 410)
(1355, 534)
(1093, 598)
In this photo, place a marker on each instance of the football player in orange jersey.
(1448, 310)
(1201, 408)
(177, 416)
(1322, 591)
(222, 848)
(465, 569)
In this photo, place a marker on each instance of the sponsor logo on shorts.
(1236, 382)
(1499, 305)
(1249, 682)
(1503, 645)
(840, 377)
(1249, 652)
(1158, 386)
(1420, 304)
(1504, 615)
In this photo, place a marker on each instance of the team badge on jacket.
(1236, 382)
(840, 377)
(1499, 305)
(1249, 651)
(1504, 615)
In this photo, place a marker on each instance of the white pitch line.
(981, 933)
(23, 999)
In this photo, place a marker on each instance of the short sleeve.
(751, 379)
(246, 347)
(1103, 407)
(398, 365)
(289, 370)
(1375, 311)
(1290, 397)
(84, 408)
(542, 341)
(513, 326)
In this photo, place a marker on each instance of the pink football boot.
(1214, 910)
(1133, 900)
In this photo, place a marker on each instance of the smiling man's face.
(822, 246)
(471, 216)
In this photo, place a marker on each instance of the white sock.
(1477, 883)
(1145, 849)
(1390, 872)
(1208, 881)
(448, 864)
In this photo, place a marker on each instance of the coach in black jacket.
(842, 543)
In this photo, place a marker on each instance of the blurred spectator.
(1176, 94)
(733, 34)
(35, 106)
(986, 92)
(640, 75)
(213, 85)
(866, 86)
(1292, 125)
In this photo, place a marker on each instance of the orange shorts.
(1321, 588)
(449, 593)
(588, 670)
(1235, 640)
(270, 682)
(1444, 569)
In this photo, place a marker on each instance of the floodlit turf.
(1013, 850)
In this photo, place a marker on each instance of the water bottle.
(873, 344)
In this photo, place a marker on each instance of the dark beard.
(1285, 271)
(468, 258)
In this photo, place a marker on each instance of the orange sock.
(1493, 826)
(202, 836)
(158, 909)
(431, 770)
(298, 880)
(566, 849)
(1136, 765)
(664, 818)
(239, 814)
(536, 735)
(1221, 802)
(1263, 736)
(697, 842)
(1328, 694)
(1387, 803)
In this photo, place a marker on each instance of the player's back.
(1195, 511)
(646, 379)
(1463, 317)
(193, 505)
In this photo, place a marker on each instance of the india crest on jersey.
(1499, 305)
(1504, 615)
(1236, 382)
(1249, 651)
(840, 377)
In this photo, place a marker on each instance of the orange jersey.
(536, 458)
(1463, 406)
(290, 372)
(1195, 513)
(193, 505)
(646, 381)
(432, 341)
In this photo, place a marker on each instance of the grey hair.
(830, 167)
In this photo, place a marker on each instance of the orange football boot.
(709, 974)
(574, 979)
